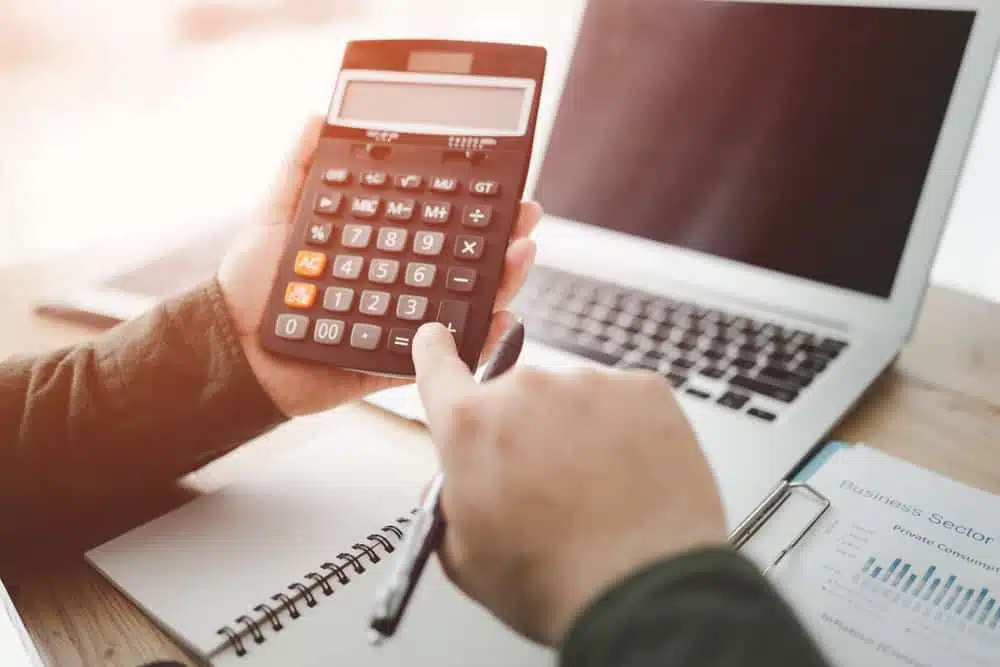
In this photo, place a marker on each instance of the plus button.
(453, 314)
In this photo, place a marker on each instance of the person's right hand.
(559, 484)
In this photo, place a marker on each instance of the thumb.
(442, 377)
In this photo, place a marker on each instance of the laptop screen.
(795, 138)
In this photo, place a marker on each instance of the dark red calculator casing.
(406, 218)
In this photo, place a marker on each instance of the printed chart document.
(903, 569)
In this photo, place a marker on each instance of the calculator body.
(409, 203)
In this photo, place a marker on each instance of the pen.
(427, 531)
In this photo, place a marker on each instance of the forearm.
(145, 403)
(710, 609)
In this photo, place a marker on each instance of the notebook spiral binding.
(365, 552)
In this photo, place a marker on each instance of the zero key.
(452, 314)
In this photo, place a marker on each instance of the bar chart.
(939, 593)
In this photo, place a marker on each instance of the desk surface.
(939, 407)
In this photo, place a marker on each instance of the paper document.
(16, 648)
(903, 570)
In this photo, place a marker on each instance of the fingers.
(517, 264)
(289, 187)
(442, 376)
(527, 219)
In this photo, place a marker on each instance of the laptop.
(747, 197)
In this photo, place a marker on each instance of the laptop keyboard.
(742, 364)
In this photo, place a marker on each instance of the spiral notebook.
(280, 567)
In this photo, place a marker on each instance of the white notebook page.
(204, 565)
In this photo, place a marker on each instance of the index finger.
(442, 377)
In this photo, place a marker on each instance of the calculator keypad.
(382, 252)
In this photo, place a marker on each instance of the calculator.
(409, 204)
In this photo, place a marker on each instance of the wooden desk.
(939, 407)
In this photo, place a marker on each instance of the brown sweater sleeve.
(145, 403)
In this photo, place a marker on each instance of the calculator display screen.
(485, 109)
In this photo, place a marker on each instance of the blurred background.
(126, 124)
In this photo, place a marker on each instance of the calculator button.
(400, 209)
(291, 327)
(485, 188)
(328, 332)
(347, 267)
(374, 303)
(428, 243)
(383, 271)
(319, 233)
(391, 239)
(300, 295)
(420, 275)
(469, 247)
(452, 314)
(461, 280)
(356, 236)
(374, 179)
(365, 207)
(338, 299)
(411, 307)
(477, 216)
(436, 213)
(444, 185)
(365, 336)
(409, 182)
(328, 204)
(400, 340)
(310, 264)
(337, 176)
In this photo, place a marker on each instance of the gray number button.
(328, 332)
(347, 267)
(383, 271)
(365, 336)
(291, 327)
(356, 236)
(338, 299)
(391, 239)
(374, 303)
(428, 243)
(411, 307)
(420, 275)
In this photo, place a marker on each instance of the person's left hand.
(246, 274)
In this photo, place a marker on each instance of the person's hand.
(247, 271)
(557, 485)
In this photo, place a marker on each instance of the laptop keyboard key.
(782, 376)
(697, 393)
(733, 400)
(762, 414)
(713, 372)
(764, 388)
(676, 380)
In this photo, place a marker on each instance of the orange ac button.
(300, 295)
(310, 264)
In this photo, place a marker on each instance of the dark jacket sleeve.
(140, 405)
(705, 609)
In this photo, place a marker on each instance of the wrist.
(608, 565)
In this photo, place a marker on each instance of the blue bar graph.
(953, 599)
